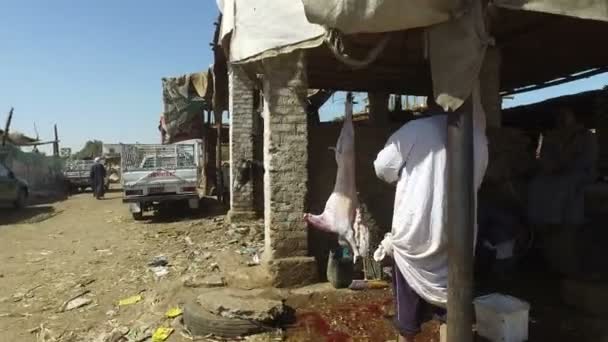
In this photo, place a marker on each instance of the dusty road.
(49, 254)
(93, 250)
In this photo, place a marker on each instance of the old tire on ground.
(200, 322)
(21, 199)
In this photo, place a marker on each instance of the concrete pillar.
(286, 174)
(242, 115)
(378, 108)
(489, 78)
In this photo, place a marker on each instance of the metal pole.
(7, 127)
(460, 224)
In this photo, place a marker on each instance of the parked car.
(13, 191)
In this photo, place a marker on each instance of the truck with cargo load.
(155, 174)
(77, 175)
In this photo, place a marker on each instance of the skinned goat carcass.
(342, 214)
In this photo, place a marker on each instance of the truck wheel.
(138, 216)
(21, 199)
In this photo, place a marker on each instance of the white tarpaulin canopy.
(265, 28)
(354, 16)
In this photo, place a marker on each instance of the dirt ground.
(93, 251)
(50, 254)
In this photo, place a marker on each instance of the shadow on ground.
(178, 211)
(27, 215)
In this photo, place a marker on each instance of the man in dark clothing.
(98, 175)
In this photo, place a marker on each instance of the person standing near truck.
(98, 174)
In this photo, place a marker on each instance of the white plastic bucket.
(502, 318)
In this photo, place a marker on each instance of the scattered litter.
(139, 335)
(173, 312)
(159, 260)
(192, 281)
(188, 241)
(86, 281)
(186, 335)
(19, 296)
(232, 242)
(206, 256)
(110, 313)
(104, 251)
(213, 280)
(117, 334)
(159, 271)
(15, 315)
(42, 334)
(255, 260)
(214, 266)
(45, 253)
(130, 301)
(161, 334)
(359, 284)
(242, 230)
(77, 301)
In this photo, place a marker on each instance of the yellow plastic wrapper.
(377, 284)
(174, 312)
(129, 301)
(161, 334)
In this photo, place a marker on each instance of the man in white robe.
(415, 157)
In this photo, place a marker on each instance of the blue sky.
(94, 67)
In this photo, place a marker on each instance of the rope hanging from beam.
(335, 41)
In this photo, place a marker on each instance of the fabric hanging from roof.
(266, 28)
(456, 50)
(354, 16)
(184, 97)
(584, 9)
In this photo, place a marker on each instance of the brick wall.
(285, 156)
(242, 115)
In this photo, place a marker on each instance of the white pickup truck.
(153, 174)
(77, 175)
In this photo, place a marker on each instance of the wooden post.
(218, 157)
(7, 127)
(56, 143)
(206, 129)
(460, 223)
